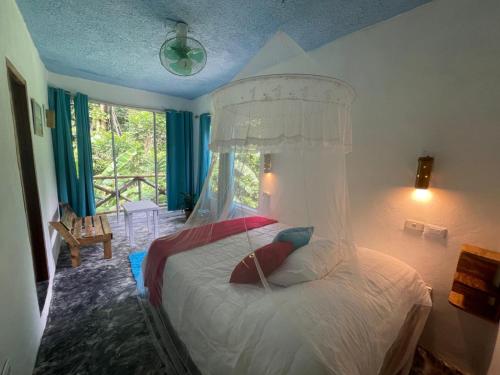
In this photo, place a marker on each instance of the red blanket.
(188, 239)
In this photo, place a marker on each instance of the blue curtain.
(179, 158)
(59, 102)
(86, 202)
(204, 152)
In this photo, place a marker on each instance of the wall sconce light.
(267, 163)
(424, 172)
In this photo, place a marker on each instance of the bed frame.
(398, 359)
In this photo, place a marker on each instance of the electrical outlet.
(413, 225)
(435, 231)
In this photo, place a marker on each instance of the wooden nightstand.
(475, 285)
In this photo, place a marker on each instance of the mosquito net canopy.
(271, 113)
(299, 126)
(278, 169)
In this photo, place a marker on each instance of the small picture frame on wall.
(37, 117)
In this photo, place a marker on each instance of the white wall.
(426, 81)
(21, 325)
(202, 104)
(118, 94)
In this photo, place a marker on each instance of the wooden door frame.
(40, 266)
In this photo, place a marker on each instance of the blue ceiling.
(117, 41)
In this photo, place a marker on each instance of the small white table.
(131, 208)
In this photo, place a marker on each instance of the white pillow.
(310, 262)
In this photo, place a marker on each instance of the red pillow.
(270, 257)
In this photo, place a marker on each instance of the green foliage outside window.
(134, 151)
(247, 178)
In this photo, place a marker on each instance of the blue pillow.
(298, 236)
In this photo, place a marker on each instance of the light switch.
(413, 225)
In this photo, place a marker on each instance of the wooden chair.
(82, 231)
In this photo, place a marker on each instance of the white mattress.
(237, 329)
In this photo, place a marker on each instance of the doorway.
(26, 162)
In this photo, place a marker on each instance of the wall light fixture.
(267, 163)
(424, 171)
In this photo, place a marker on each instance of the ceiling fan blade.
(182, 67)
(197, 54)
(171, 53)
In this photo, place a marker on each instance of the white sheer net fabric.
(303, 121)
(269, 113)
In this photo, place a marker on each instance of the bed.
(354, 328)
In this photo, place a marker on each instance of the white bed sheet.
(237, 329)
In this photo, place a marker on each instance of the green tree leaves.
(134, 151)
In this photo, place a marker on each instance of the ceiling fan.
(182, 55)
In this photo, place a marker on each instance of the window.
(247, 178)
(129, 155)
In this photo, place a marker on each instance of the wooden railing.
(132, 181)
